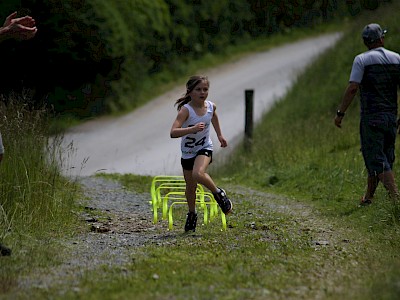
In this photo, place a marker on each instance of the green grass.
(313, 242)
(140, 184)
(267, 253)
(297, 143)
(36, 202)
(274, 248)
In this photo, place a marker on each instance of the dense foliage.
(92, 55)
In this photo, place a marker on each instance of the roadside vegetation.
(118, 50)
(310, 242)
(37, 202)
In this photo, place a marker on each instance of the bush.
(93, 56)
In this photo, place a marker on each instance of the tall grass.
(35, 199)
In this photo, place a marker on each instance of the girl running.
(192, 124)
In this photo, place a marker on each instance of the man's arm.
(348, 97)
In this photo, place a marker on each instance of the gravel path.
(119, 220)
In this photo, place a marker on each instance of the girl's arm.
(217, 128)
(177, 130)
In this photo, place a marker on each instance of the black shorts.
(187, 164)
(378, 136)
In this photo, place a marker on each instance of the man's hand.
(338, 121)
(349, 94)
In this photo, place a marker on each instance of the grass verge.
(36, 202)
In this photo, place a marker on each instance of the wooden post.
(248, 126)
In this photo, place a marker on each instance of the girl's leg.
(199, 173)
(190, 191)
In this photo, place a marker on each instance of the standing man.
(19, 29)
(376, 73)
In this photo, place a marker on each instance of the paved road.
(139, 142)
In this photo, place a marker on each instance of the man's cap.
(373, 32)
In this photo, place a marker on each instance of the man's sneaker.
(223, 201)
(191, 221)
(365, 202)
(4, 251)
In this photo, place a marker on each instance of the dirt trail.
(121, 220)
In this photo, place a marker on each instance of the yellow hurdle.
(167, 189)
(158, 180)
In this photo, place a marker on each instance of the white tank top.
(193, 143)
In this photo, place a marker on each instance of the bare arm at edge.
(348, 97)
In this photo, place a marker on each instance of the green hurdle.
(168, 191)
(155, 199)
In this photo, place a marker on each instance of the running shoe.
(191, 221)
(223, 201)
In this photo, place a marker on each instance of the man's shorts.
(378, 137)
(187, 164)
